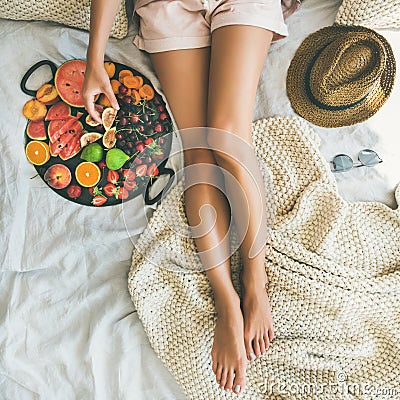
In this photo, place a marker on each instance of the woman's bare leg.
(237, 56)
(183, 75)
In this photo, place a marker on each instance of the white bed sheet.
(68, 329)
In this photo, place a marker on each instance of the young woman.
(208, 56)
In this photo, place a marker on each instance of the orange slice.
(87, 174)
(146, 91)
(37, 152)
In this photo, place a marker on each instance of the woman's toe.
(249, 349)
(256, 347)
(240, 380)
(266, 341)
(262, 345)
(229, 380)
(271, 334)
(224, 376)
(218, 374)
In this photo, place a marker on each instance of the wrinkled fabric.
(288, 6)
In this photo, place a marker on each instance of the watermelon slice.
(73, 147)
(36, 130)
(68, 144)
(58, 127)
(68, 81)
(59, 110)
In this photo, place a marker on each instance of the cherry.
(127, 99)
(134, 118)
(123, 89)
(159, 128)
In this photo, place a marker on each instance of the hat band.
(316, 101)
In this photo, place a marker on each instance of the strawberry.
(138, 161)
(141, 170)
(74, 191)
(113, 176)
(163, 116)
(129, 185)
(160, 108)
(110, 190)
(123, 193)
(128, 175)
(152, 170)
(99, 200)
(148, 140)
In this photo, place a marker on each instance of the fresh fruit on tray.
(37, 152)
(58, 176)
(87, 174)
(91, 163)
(47, 94)
(69, 81)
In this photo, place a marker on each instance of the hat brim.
(296, 82)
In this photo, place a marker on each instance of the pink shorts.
(184, 24)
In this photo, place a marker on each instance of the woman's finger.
(111, 96)
(93, 112)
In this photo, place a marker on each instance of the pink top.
(288, 6)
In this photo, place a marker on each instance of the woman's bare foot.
(228, 351)
(258, 326)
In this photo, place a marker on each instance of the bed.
(69, 329)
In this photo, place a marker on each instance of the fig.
(90, 121)
(90, 137)
(108, 117)
(109, 138)
(92, 153)
(116, 158)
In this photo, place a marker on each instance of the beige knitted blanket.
(334, 283)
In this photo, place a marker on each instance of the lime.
(93, 152)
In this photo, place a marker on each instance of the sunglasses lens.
(342, 162)
(369, 157)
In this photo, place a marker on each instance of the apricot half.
(34, 110)
(47, 94)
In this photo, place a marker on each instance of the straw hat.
(341, 75)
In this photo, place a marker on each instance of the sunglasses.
(343, 162)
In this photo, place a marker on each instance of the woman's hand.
(97, 81)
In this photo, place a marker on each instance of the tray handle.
(164, 171)
(31, 70)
